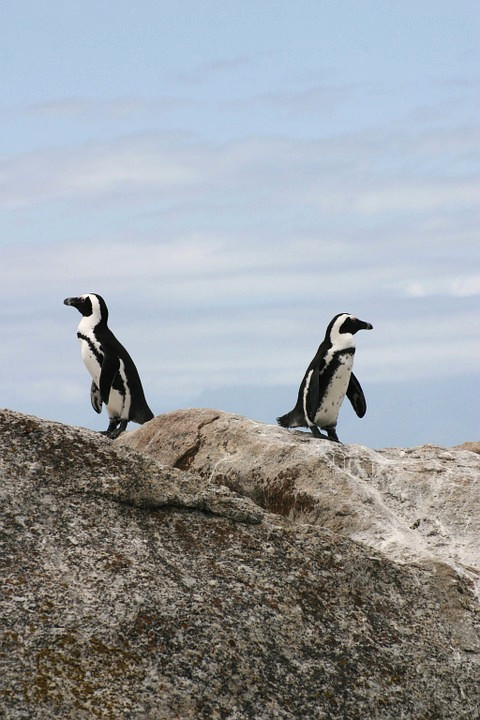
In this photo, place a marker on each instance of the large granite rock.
(135, 590)
(413, 505)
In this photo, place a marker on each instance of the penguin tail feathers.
(294, 418)
(143, 415)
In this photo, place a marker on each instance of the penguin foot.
(332, 435)
(110, 434)
(115, 429)
(114, 433)
(317, 434)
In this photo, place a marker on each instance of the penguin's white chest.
(119, 400)
(91, 354)
(327, 413)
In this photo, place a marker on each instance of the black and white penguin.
(328, 379)
(115, 378)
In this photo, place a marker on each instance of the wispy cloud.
(368, 174)
(312, 99)
(467, 285)
(207, 70)
(94, 109)
(95, 171)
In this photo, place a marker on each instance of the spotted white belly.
(89, 358)
(327, 413)
(118, 403)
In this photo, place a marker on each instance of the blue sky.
(229, 177)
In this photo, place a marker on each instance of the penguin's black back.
(317, 365)
(139, 409)
(296, 417)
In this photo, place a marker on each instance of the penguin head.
(90, 305)
(344, 325)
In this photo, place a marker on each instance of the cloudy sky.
(229, 176)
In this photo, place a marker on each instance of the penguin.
(328, 379)
(115, 379)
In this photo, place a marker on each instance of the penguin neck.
(90, 323)
(342, 341)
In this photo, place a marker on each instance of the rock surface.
(417, 504)
(472, 446)
(131, 589)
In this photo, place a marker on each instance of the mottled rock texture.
(132, 589)
(416, 504)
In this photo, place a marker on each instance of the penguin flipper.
(110, 367)
(313, 395)
(356, 396)
(95, 398)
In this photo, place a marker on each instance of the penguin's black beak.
(365, 325)
(83, 304)
(361, 325)
(77, 302)
(72, 301)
